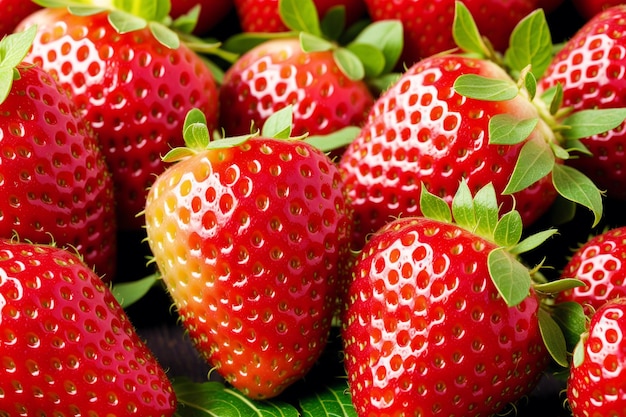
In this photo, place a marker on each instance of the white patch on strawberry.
(5, 279)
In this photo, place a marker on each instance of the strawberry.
(133, 87)
(598, 263)
(250, 235)
(441, 317)
(428, 25)
(455, 116)
(589, 8)
(68, 348)
(595, 383)
(588, 68)
(264, 16)
(12, 12)
(53, 177)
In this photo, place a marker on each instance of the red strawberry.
(599, 264)
(68, 348)
(589, 8)
(264, 16)
(53, 177)
(134, 90)
(595, 384)
(428, 329)
(12, 12)
(428, 24)
(250, 238)
(589, 68)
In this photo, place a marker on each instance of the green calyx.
(361, 52)
(13, 49)
(526, 59)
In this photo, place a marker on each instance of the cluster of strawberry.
(384, 169)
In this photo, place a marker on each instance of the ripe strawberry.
(133, 90)
(598, 263)
(68, 348)
(589, 8)
(429, 327)
(589, 68)
(428, 25)
(53, 177)
(264, 16)
(595, 384)
(12, 12)
(250, 238)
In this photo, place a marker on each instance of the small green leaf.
(187, 22)
(560, 152)
(197, 136)
(533, 241)
(530, 83)
(300, 16)
(509, 229)
(587, 123)
(242, 42)
(485, 88)
(6, 82)
(124, 22)
(178, 154)
(349, 64)
(166, 36)
(465, 32)
(372, 59)
(553, 338)
(328, 401)
(577, 187)
(335, 140)
(511, 278)
(486, 207)
(553, 97)
(576, 145)
(229, 142)
(85, 10)
(579, 352)
(194, 115)
(535, 161)
(279, 124)
(312, 43)
(128, 293)
(506, 129)
(559, 285)
(15, 46)
(434, 207)
(388, 37)
(463, 207)
(530, 44)
(333, 22)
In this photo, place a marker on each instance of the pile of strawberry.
(351, 208)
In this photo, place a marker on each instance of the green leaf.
(312, 43)
(300, 16)
(187, 22)
(434, 207)
(328, 401)
(505, 129)
(509, 229)
(485, 88)
(530, 83)
(242, 42)
(213, 399)
(6, 82)
(576, 145)
(388, 37)
(553, 98)
(463, 207)
(85, 10)
(577, 187)
(229, 142)
(372, 59)
(166, 36)
(124, 22)
(511, 278)
(465, 32)
(335, 140)
(15, 46)
(197, 136)
(533, 241)
(178, 154)
(334, 22)
(553, 338)
(579, 351)
(559, 285)
(530, 44)
(194, 115)
(560, 152)
(279, 124)
(587, 123)
(486, 208)
(535, 161)
(349, 63)
(128, 293)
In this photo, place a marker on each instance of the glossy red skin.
(211, 12)
(596, 386)
(421, 131)
(12, 12)
(68, 348)
(133, 91)
(54, 181)
(590, 68)
(425, 331)
(428, 24)
(599, 263)
(250, 241)
(589, 8)
(278, 73)
(263, 15)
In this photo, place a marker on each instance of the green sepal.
(530, 44)
(164, 35)
(531, 242)
(150, 10)
(85, 10)
(242, 42)
(13, 49)
(508, 230)
(335, 140)
(312, 43)
(578, 356)
(124, 22)
(434, 207)
(486, 207)
(300, 16)
(553, 338)
(349, 63)
(485, 88)
(333, 23)
(553, 98)
(576, 145)
(187, 22)
(279, 124)
(505, 129)
(511, 278)
(559, 285)
(577, 187)
(385, 36)
(128, 293)
(465, 32)
(463, 207)
(562, 153)
(536, 160)
(585, 123)
(370, 59)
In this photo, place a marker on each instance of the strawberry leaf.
(328, 401)
(187, 22)
(485, 88)
(486, 207)
(371, 58)
(532, 241)
(124, 22)
(279, 124)
(536, 160)
(300, 16)
(13, 50)
(333, 23)
(312, 43)
(508, 230)
(511, 278)
(85, 10)
(530, 84)
(579, 351)
(505, 129)
(530, 44)
(465, 32)
(553, 338)
(128, 293)
(242, 42)
(434, 207)
(570, 317)
(164, 35)
(349, 63)
(558, 285)
(387, 37)
(577, 187)
(335, 140)
(586, 123)
(463, 207)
